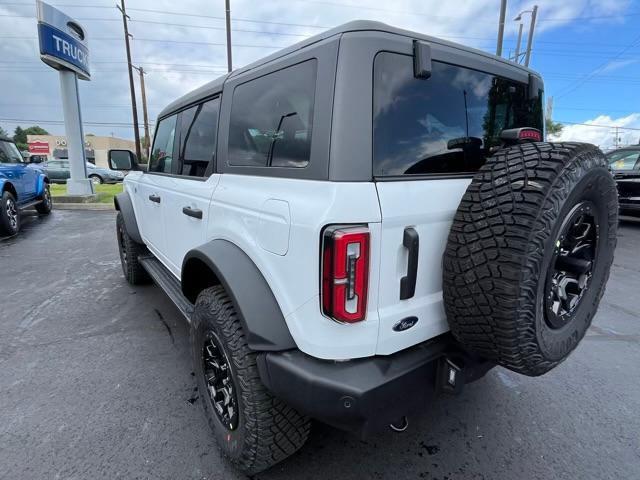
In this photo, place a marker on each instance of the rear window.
(447, 124)
(272, 118)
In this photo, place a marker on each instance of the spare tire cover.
(529, 254)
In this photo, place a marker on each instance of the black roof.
(215, 86)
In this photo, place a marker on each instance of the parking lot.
(95, 382)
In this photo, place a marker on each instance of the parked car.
(59, 171)
(625, 166)
(21, 186)
(358, 222)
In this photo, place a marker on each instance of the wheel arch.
(122, 203)
(221, 262)
(7, 186)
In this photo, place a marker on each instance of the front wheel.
(9, 215)
(95, 179)
(46, 205)
(252, 428)
(130, 251)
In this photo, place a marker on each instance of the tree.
(20, 135)
(553, 128)
(3, 132)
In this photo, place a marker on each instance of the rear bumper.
(366, 395)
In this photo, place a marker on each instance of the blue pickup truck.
(22, 186)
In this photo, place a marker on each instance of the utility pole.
(134, 108)
(517, 58)
(144, 110)
(228, 15)
(530, 40)
(503, 12)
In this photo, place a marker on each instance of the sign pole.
(78, 184)
(64, 46)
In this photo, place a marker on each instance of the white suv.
(360, 221)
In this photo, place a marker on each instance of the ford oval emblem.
(405, 324)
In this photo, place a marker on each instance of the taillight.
(345, 273)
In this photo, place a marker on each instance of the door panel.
(184, 199)
(427, 206)
(149, 199)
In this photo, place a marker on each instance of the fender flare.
(123, 204)
(4, 182)
(259, 313)
(40, 186)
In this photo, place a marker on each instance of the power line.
(597, 126)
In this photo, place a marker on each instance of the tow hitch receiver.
(450, 377)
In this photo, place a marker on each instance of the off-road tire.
(7, 227)
(46, 205)
(130, 250)
(268, 430)
(502, 245)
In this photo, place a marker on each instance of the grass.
(105, 192)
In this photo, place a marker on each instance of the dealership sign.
(63, 41)
(38, 148)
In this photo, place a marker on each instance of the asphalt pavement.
(96, 382)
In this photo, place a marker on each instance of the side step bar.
(167, 282)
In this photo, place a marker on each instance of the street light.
(533, 13)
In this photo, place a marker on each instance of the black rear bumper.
(365, 395)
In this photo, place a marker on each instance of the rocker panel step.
(167, 282)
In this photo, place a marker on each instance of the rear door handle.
(192, 212)
(154, 198)
(411, 241)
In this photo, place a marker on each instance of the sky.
(587, 51)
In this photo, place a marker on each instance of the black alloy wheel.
(219, 382)
(572, 264)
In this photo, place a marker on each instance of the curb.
(83, 206)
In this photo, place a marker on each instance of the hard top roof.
(215, 86)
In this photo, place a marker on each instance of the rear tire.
(130, 250)
(9, 215)
(258, 430)
(529, 254)
(46, 205)
(96, 179)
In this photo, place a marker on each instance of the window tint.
(272, 117)
(446, 124)
(9, 153)
(162, 153)
(625, 160)
(198, 130)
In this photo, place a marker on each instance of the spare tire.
(529, 253)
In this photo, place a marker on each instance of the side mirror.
(122, 160)
(35, 159)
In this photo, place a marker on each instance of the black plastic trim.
(123, 203)
(365, 395)
(262, 320)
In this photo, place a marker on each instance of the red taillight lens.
(345, 273)
(530, 134)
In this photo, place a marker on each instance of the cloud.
(604, 137)
(31, 91)
(617, 65)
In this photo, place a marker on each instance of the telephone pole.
(228, 15)
(503, 12)
(144, 109)
(527, 57)
(134, 108)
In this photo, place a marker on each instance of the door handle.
(154, 198)
(192, 212)
(411, 242)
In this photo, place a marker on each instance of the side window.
(446, 124)
(626, 160)
(9, 153)
(162, 153)
(272, 118)
(198, 131)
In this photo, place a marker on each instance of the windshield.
(624, 160)
(9, 153)
(446, 124)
